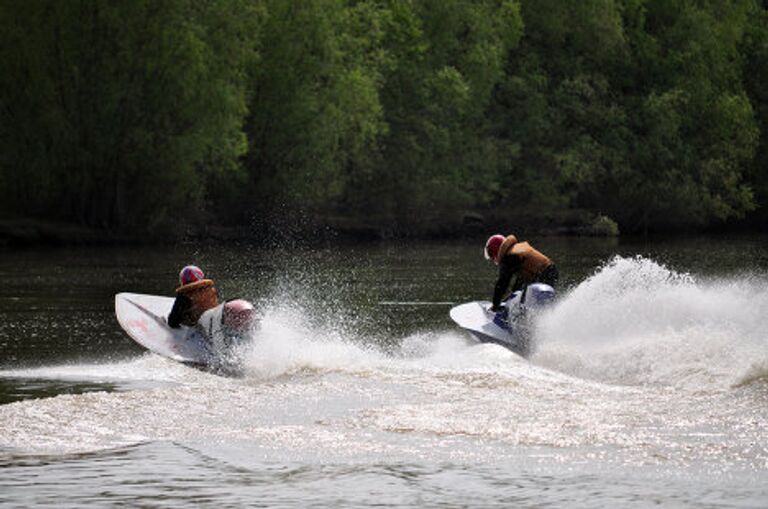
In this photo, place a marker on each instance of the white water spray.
(637, 322)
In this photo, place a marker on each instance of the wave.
(633, 322)
(637, 322)
(283, 346)
(757, 373)
(147, 371)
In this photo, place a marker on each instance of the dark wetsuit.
(181, 307)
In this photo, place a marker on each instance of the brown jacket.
(192, 300)
(532, 262)
(518, 259)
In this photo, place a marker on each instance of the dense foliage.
(139, 113)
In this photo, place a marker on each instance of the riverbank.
(27, 232)
(35, 232)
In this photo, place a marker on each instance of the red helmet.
(190, 274)
(492, 246)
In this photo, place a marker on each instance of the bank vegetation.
(398, 116)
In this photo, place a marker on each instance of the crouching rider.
(195, 296)
(521, 260)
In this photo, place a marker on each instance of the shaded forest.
(142, 115)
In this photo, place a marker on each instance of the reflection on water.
(172, 475)
(17, 389)
(648, 386)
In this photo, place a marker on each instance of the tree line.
(138, 114)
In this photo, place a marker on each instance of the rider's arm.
(507, 268)
(518, 284)
(180, 307)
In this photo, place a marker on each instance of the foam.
(147, 367)
(633, 322)
(637, 322)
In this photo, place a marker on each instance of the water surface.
(648, 385)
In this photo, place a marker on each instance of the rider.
(195, 296)
(517, 259)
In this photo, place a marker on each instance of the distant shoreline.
(31, 233)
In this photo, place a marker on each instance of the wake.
(633, 322)
(637, 322)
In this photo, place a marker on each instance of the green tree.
(114, 113)
(557, 104)
(755, 50)
(440, 154)
(634, 108)
(315, 112)
(694, 131)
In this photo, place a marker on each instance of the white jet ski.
(507, 327)
(211, 345)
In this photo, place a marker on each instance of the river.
(648, 384)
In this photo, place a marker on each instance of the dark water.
(649, 384)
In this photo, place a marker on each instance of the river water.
(648, 384)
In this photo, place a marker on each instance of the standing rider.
(517, 259)
(195, 296)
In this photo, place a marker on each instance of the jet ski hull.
(143, 318)
(509, 328)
